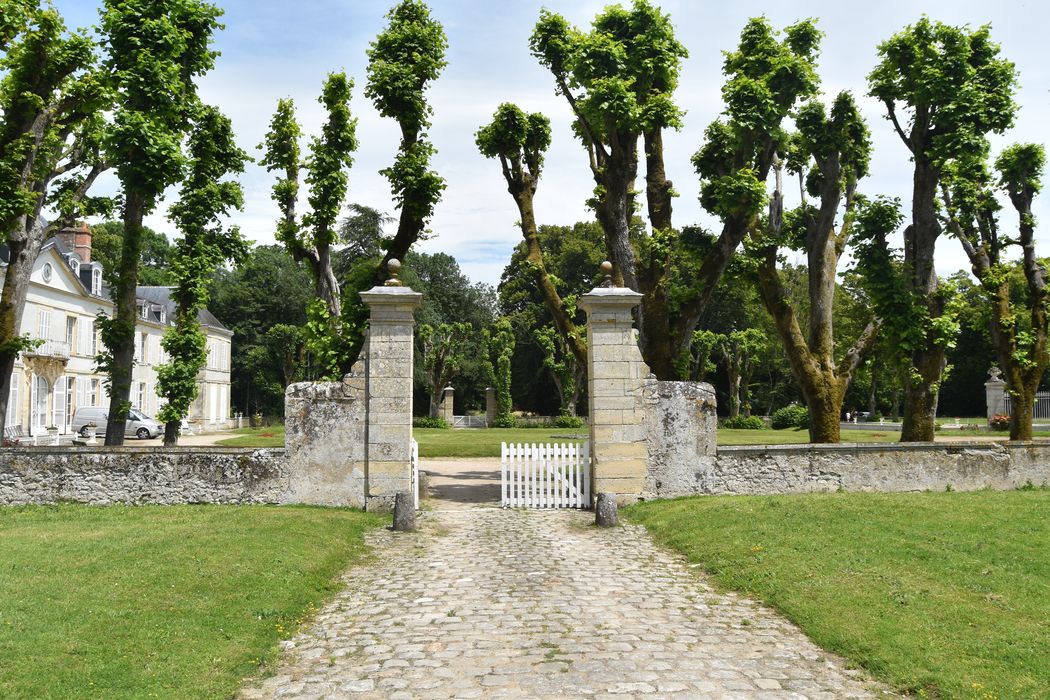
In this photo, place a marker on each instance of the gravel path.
(490, 603)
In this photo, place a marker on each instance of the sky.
(274, 48)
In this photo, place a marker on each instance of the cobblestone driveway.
(489, 603)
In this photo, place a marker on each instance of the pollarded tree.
(207, 196)
(310, 237)
(444, 349)
(829, 153)
(619, 80)
(945, 89)
(52, 97)
(156, 49)
(519, 141)
(402, 62)
(969, 197)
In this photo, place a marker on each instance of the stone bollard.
(404, 512)
(605, 510)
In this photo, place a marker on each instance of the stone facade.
(448, 413)
(106, 475)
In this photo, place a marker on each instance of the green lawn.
(486, 442)
(164, 602)
(939, 594)
(256, 437)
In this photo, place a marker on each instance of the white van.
(137, 425)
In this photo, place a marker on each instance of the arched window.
(96, 282)
(74, 265)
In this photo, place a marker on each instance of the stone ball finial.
(606, 268)
(393, 266)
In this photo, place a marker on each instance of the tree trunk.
(435, 402)
(825, 416)
(24, 250)
(523, 197)
(171, 432)
(123, 335)
(1022, 413)
(920, 390)
(920, 396)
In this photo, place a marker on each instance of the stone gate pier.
(649, 438)
(349, 443)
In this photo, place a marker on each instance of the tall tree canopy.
(207, 196)
(52, 100)
(829, 153)
(403, 61)
(311, 237)
(1020, 340)
(944, 89)
(156, 49)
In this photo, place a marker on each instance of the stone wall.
(892, 467)
(325, 439)
(681, 428)
(165, 476)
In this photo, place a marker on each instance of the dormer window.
(96, 282)
(74, 265)
(163, 315)
(145, 312)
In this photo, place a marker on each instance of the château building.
(66, 293)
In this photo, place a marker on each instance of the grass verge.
(939, 594)
(160, 602)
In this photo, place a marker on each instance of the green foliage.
(328, 352)
(765, 79)
(155, 261)
(499, 343)
(206, 198)
(951, 81)
(49, 89)
(402, 61)
(743, 423)
(516, 138)
(565, 421)
(430, 422)
(266, 289)
(627, 67)
(1020, 169)
(156, 48)
(562, 364)
(793, 416)
(443, 351)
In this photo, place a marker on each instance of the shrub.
(999, 422)
(503, 421)
(567, 421)
(793, 416)
(744, 423)
(428, 422)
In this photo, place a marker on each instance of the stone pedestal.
(447, 412)
(389, 393)
(995, 393)
(616, 376)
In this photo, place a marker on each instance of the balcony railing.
(51, 348)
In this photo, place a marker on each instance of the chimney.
(78, 240)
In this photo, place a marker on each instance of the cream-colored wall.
(63, 297)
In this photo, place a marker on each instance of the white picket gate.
(415, 474)
(546, 475)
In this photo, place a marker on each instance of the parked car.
(137, 425)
